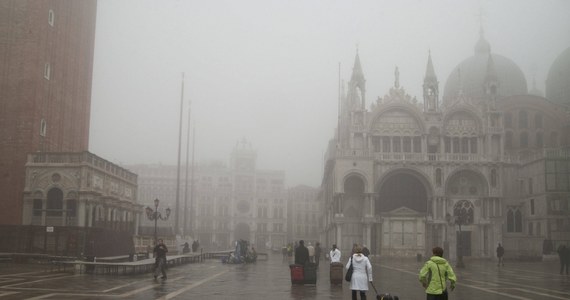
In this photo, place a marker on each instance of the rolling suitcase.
(336, 273)
(297, 274)
(310, 273)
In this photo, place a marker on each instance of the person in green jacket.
(434, 275)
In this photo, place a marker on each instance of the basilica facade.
(484, 162)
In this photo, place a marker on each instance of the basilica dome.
(470, 75)
(558, 79)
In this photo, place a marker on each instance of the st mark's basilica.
(484, 162)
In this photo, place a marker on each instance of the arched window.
(71, 208)
(38, 207)
(463, 210)
(523, 119)
(514, 220)
(54, 203)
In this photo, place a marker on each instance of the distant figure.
(318, 252)
(284, 253)
(311, 252)
(301, 254)
(195, 246)
(334, 254)
(564, 255)
(434, 275)
(186, 248)
(361, 274)
(365, 251)
(160, 251)
(500, 253)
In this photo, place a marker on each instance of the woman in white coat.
(361, 274)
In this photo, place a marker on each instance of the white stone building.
(485, 163)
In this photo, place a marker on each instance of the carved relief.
(461, 124)
(397, 122)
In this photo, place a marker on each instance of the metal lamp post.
(155, 215)
(459, 220)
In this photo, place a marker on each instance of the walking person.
(434, 275)
(160, 251)
(301, 254)
(361, 273)
(318, 252)
(334, 254)
(564, 255)
(365, 251)
(567, 259)
(500, 253)
(311, 252)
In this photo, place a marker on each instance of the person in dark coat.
(160, 259)
(301, 254)
(365, 251)
(500, 253)
(567, 259)
(564, 255)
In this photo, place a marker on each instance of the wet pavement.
(270, 279)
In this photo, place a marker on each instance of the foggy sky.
(267, 71)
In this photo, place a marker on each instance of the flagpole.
(185, 227)
(177, 207)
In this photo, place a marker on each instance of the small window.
(51, 17)
(43, 127)
(47, 71)
(532, 206)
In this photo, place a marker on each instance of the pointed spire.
(430, 73)
(397, 78)
(482, 46)
(357, 74)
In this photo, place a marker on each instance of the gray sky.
(268, 70)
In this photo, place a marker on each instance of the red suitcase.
(297, 275)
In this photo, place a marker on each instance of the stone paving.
(270, 279)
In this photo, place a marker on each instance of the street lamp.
(155, 215)
(459, 219)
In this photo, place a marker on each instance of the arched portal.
(401, 190)
(402, 205)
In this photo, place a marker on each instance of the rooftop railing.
(82, 158)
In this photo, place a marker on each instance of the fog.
(268, 71)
